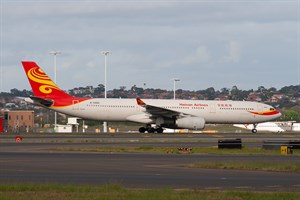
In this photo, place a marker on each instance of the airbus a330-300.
(164, 113)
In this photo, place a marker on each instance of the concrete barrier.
(230, 144)
(276, 144)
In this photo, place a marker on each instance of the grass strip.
(111, 191)
(197, 150)
(246, 165)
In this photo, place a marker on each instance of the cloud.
(201, 55)
(234, 52)
(152, 41)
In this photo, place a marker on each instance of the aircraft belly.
(220, 118)
(109, 115)
(98, 114)
(230, 118)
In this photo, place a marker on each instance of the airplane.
(276, 127)
(164, 113)
(296, 127)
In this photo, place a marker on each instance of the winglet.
(140, 102)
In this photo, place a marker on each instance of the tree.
(272, 90)
(100, 89)
(139, 90)
(291, 115)
(210, 93)
(234, 93)
(19, 93)
(122, 88)
(225, 91)
(261, 89)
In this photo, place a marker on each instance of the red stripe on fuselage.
(266, 113)
(63, 102)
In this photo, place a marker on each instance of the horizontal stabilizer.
(40, 101)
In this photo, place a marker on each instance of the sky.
(204, 43)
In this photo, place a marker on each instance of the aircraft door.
(259, 109)
(75, 104)
(212, 108)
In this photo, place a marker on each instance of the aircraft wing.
(158, 111)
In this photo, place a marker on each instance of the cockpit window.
(272, 109)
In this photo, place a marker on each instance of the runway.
(155, 140)
(35, 162)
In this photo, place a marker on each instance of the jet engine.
(195, 123)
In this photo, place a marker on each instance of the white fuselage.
(191, 114)
(296, 127)
(276, 127)
(223, 112)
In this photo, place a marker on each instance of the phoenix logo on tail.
(41, 84)
(45, 91)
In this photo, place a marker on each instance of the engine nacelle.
(195, 123)
(141, 118)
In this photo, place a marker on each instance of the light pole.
(55, 53)
(105, 53)
(174, 85)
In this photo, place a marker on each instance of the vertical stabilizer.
(42, 86)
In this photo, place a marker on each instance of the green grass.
(243, 151)
(264, 166)
(107, 192)
(197, 150)
(257, 165)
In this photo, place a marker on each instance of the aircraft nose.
(278, 114)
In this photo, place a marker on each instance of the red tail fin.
(42, 86)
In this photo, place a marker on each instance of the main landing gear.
(151, 129)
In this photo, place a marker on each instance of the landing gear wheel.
(151, 130)
(254, 131)
(142, 130)
(160, 130)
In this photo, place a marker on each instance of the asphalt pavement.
(35, 161)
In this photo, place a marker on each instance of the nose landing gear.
(254, 130)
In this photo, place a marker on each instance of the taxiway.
(34, 161)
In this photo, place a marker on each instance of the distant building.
(276, 97)
(225, 98)
(18, 121)
(254, 97)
